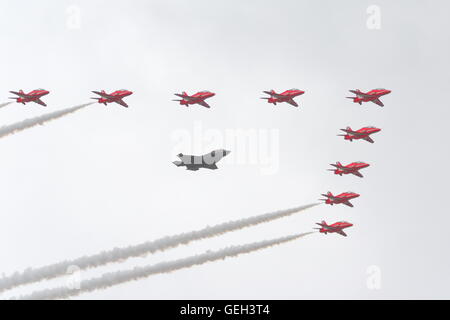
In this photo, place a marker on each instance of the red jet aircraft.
(115, 96)
(342, 198)
(197, 98)
(372, 95)
(334, 228)
(286, 96)
(33, 96)
(362, 133)
(352, 168)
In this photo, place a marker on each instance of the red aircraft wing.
(203, 103)
(104, 95)
(39, 101)
(378, 102)
(357, 173)
(121, 102)
(21, 94)
(273, 94)
(360, 94)
(292, 102)
(183, 96)
(347, 203)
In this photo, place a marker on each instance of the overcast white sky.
(103, 176)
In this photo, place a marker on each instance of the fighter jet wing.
(23, 95)
(369, 139)
(103, 94)
(360, 94)
(342, 233)
(121, 102)
(183, 96)
(273, 94)
(39, 101)
(347, 204)
(190, 160)
(203, 103)
(378, 102)
(292, 102)
(357, 173)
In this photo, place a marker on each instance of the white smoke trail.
(5, 104)
(30, 275)
(29, 123)
(114, 278)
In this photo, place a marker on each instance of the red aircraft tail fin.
(184, 93)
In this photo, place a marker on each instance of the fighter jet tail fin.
(323, 223)
(178, 163)
(336, 165)
(271, 92)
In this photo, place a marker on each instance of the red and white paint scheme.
(32, 96)
(197, 98)
(286, 96)
(341, 198)
(115, 96)
(334, 228)
(352, 168)
(373, 96)
(362, 133)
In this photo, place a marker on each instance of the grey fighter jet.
(207, 161)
